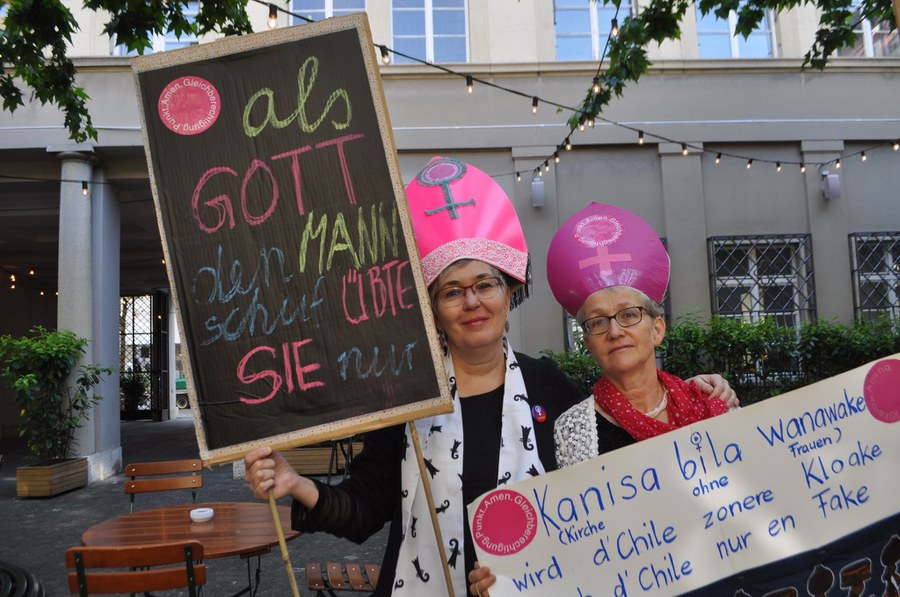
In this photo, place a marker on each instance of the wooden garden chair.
(341, 577)
(101, 570)
(143, 477)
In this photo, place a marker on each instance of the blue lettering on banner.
(534, 578)
(689, 467)
(593, 500)
(812, 421)
(662, 574)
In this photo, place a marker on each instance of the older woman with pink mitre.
(608, 268)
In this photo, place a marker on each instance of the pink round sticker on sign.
(189, 105)
(504, 523)
(882, 390)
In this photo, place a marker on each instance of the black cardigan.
(359, 506)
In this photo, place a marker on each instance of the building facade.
(775, 188)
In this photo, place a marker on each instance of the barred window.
(754, 277)
(432, 30)
(875, 269)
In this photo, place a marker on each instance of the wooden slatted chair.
(341, 577)
(143, 477)
(141, 568)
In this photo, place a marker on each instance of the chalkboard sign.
(287, 238)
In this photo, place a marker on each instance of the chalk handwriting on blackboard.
(222, 204)
(381, 242)
(295, 368)
(306, 80)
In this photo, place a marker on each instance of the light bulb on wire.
(273, 16)
(534, 105)
(614, 28)
(470, 83)
(385, 56)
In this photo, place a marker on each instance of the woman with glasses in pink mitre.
(609, 270)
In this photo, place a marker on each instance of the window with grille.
(716, 37)
(875, 269)
(583, 27)
(316, 10)
(754, 277)
(433, 30)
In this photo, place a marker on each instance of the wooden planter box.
(51, 479)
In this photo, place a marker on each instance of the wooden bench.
(341, 577)
(321, 459)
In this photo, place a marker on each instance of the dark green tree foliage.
(36, 33)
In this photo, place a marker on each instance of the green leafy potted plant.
(52, 404)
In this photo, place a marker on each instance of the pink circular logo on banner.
(882, 390)
(504, 523)
(189, 105)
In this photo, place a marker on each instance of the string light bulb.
(749, 163)
(863, 157)
(518, 177)
(590, 122)
(539, 171)
(596, 87)
(684, 149)
(640, 137)
(547, 166)
(385, 56)
(556, 156)
(777, 166)
(614, 27)
(568, 144)
(581, 125)
(719, 158)
(470, 83)
(895, 145)
(273, 16)
(837, 164)
(802, 168)
(534, 104)
(84, 188)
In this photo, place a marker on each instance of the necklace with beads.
(659, 407)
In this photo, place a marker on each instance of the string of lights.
(585, 115)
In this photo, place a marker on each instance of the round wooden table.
(236, 528)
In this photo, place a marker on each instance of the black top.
(359, 506)
(610, 437)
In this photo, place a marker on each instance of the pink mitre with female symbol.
(601, 246)
(459, 212)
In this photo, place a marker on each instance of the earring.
(507, 325)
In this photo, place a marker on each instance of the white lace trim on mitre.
(501, 256)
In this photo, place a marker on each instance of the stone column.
(75, 309)
(106, 457)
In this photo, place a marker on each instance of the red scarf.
(687, 404)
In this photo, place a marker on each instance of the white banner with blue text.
(793, 495)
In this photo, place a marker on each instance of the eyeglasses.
(485, 288)
(626, 318)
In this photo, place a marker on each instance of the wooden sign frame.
(286, 197)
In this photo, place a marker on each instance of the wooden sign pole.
(434, 521)
(281, 542)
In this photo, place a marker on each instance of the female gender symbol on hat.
(440, 173)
